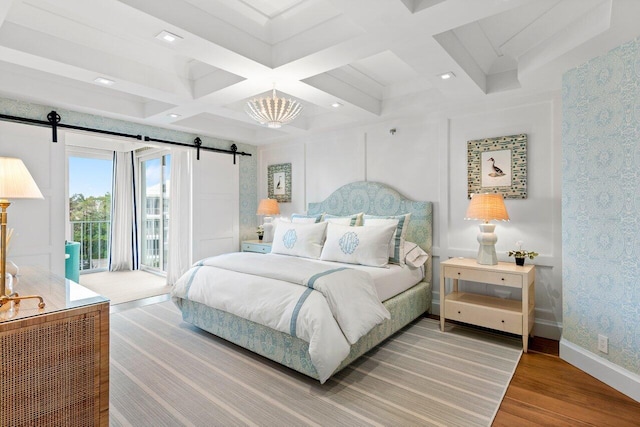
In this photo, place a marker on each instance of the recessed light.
(173, 115)
(448, 75)
(168, 37)
(337, 105)
(104, 81)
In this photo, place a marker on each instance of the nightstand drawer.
(263, 248)
(501, 320)
(495, 278)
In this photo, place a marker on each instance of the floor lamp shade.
(487, 207)
(15, 183)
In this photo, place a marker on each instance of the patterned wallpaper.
(248, 165)
(601, 204)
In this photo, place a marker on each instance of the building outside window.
(155, 176)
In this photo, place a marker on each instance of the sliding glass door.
(155, 173)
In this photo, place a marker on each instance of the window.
(155, 170)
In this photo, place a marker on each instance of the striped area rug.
(165, 372)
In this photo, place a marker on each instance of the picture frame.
(498, 165)
(279, 182)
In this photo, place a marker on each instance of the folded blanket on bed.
(278, 291)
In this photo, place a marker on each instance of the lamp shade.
(268, 207)
(487, 206)
(16, 181)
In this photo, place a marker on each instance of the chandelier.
(273, 111)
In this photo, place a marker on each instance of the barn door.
(216, 211)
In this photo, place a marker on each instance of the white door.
(216, 210)
(38, 225)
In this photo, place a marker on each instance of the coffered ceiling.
(377, 59)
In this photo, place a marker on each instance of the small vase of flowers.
(260, 232)
(520, 254)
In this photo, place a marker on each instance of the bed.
(293, 352)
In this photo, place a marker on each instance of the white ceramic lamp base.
(487, 250)
(268, 228)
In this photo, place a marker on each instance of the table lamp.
(15, 183)
(486, 207)
(268, 207)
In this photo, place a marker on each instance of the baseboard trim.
(546, 329)
(624, 381)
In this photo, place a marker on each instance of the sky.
(90, 177)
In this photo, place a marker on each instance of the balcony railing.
(93, 237)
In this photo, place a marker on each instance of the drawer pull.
(502, 279)
(458, 273)
(458, 311)
(502, 321)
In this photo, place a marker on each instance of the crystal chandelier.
(273, 111)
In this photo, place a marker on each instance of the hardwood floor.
(546, 390)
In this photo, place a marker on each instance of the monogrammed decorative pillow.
(298, 239)
(358, 245)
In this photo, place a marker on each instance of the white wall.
(38, 237)
(426, 159)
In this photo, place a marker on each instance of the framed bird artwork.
(498, 165)
(279, 182)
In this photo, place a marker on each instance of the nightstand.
(502, 314)
(255, 246)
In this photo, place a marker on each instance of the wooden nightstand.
(255, 246)
(505, 315)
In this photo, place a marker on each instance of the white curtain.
(179, 215)
(124, 229)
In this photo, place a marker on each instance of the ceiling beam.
(32, 49)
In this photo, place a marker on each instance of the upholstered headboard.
(374, 198)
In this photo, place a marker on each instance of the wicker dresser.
(54, 362)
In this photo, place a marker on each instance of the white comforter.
(328, 307)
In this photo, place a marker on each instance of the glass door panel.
(155, 180)
(90, 184)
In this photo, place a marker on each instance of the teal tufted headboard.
(374, 198)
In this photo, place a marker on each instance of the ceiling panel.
(385, 68)
(377, 58)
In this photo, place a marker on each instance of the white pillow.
(306, 218)
(414, 255)
(298, 239)
(353, 220)
(396, 246)
(358, 245)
